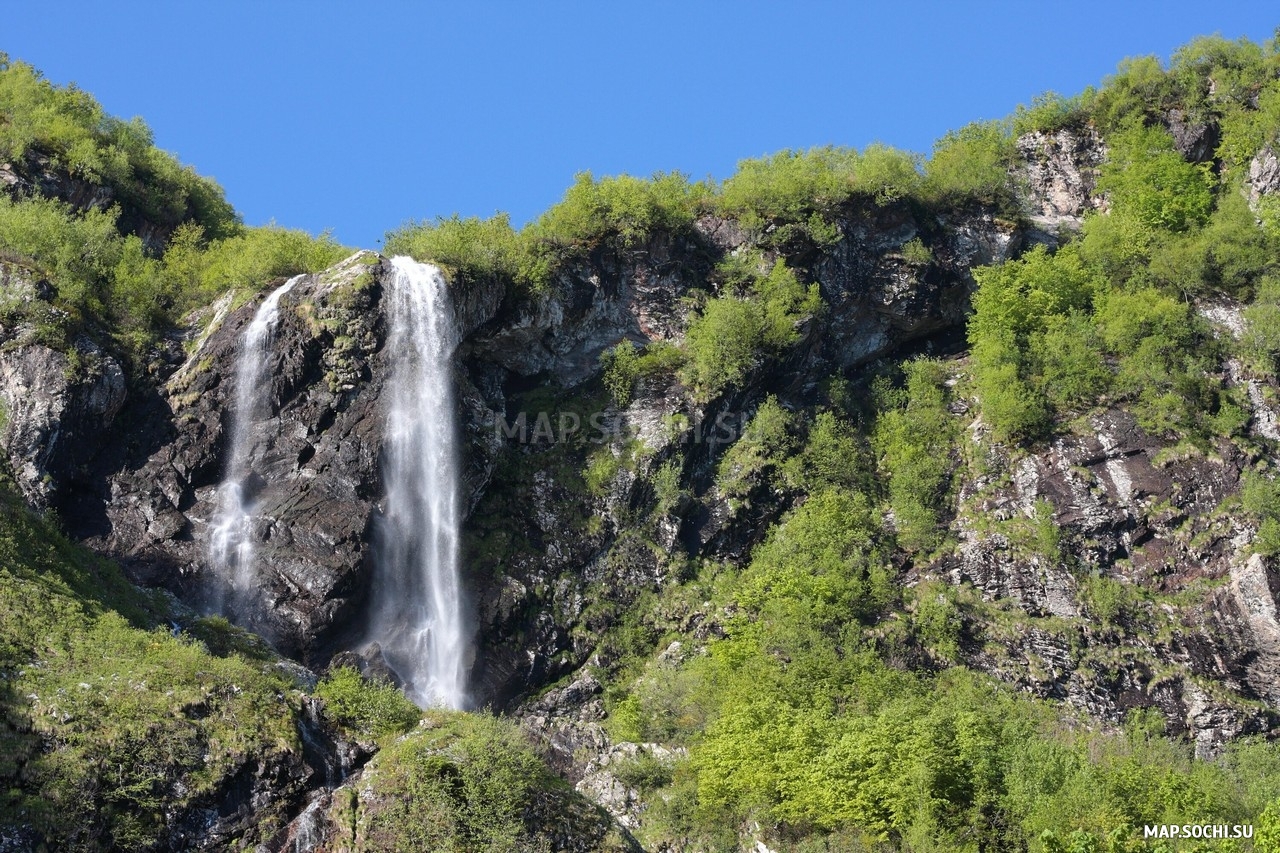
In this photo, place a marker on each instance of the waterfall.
(230, 539)
(417, 615)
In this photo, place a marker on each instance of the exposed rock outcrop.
(1060, 174)
(1133, 512)
(57, 405)
(1264, 174)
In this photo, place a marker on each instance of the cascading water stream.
(230, 538)
(417, 616)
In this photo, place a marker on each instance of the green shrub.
(972, 163)
(914, 438)
(629, 209)
(110, 721)
(645, 772)
(365, 708)
(764, 446)
(724, 345)
(887, 174)
(1261, 498)
(1051, 112)
(666, 488)
(937, 619)
(915, 252)
(459, 782)
(620, 368)
(823, 560)
(486, 250)
(1246, 131)
(834, 455)
(734, 335)
(78, 252)
(1261, 340)
(1146, 179)
(1034, 344)
(1067, 359)
(789, 186)
(1213, 72)
(1139, 89)
(256, 256)
(785, 303)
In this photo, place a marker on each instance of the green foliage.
(823, 559)
(1230, 254)
(1147, 180)
(1050, 112)
(1066, 359)
(1159, 368)
(797, 193)
(484, 250)
(365, 709)
(1048, 535)
(460, 782)
(1032, 346)
(620, 367)
(103, 275)
(1228, 73)
(626, 208)
(666, 488)
(1108, 600)
(915, 252)
(110, 722)
(1246, 132)
(1140, 88)
(887, 174)
(734, 334)
(251, 259)
(1261, 342)
(937, 620)
(1261, 499)
(766, 444)
(834, 455)
(789, 186)
(914, 438)
(645, 772)
(68, 126)
(77, 252)
(971, 163)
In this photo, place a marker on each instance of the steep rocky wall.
(148, 492)
(56, 405)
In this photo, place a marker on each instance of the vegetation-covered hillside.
(981, 591)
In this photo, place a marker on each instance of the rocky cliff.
(554, 557)
(140, 484)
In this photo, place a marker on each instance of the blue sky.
(356, 118)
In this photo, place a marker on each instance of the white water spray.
(230, 539)
(417, 615)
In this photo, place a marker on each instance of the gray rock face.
(877, 299)
(316, 480)
(594, 304)
(1060, 173)
(1196, 141)
(1130, 511)
(1264, 174)
(56, 413)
